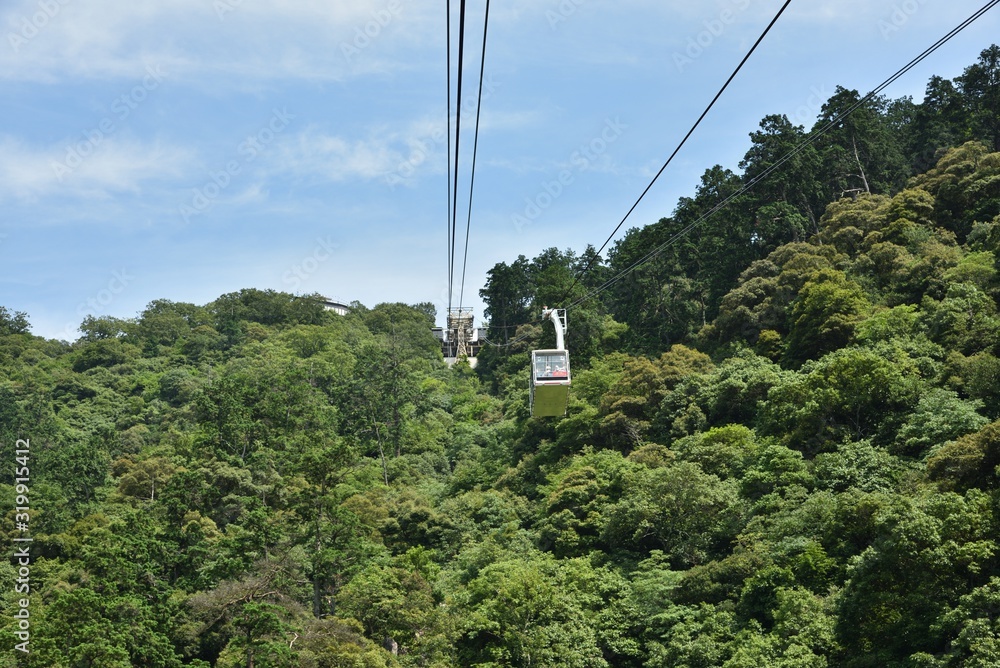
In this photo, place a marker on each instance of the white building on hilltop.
(335, 305)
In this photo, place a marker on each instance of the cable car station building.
(460, 338)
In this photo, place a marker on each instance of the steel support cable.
(679, 146)
(812, 138)
(508, 344)
(458, 134)
(511, 342)
(451, 252)
(660, 172)
(475, 150)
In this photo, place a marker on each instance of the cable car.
(550, 373)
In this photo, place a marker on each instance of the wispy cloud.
(213, 40)
(118, 165)
(335, 158)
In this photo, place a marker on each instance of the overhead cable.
(811, 139)
(679, 146)
(451, 250)
(458, 134)
(475, 150)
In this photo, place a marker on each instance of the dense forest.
(782, 447)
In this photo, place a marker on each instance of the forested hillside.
(782, 447)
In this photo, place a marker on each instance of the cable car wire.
(458, 134)
(451, 252)
(679, 146)
(475, 150)
(812, 138)
(660, 172)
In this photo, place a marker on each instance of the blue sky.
(188, 148)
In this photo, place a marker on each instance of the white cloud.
(201, 40)
(335, 158)
(396, 154)
(255, 194)
(85, 170)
